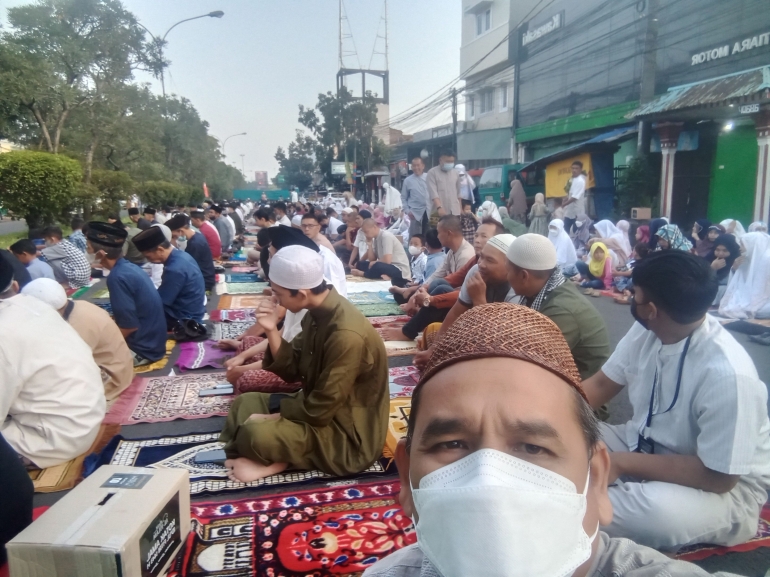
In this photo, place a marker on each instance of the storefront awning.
(599, 143)
(742, 87)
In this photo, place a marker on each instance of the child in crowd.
(418, 258)
(469, 221)
(596, 274)
(622, 281)
(436, 254)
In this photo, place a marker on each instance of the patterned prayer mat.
(247, 269)
(262, 381)
(230, 330)
(79, 292)
(371, 298)
(394, 348)
(240, 302)
(361, 285)
(170, 344)
(380, 310)
(338, 531)
(105, 306)
(238, 315)
(382, 322)
(159, 399)
(179, 453)
(241, 278)
(761, 539)
(101, 294)
(65, 476)
(398, 420)
(245, 288)
(203, 354)
(401, 348)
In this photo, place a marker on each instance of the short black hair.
(499, 228)
(310, 215)
(448, 152)
(112, 252)
(419, 237)
(431, 239)
(466, 203)
(216, 208)
(263, 237)
(452, 223)
(53, 231)
(280, 206)
(265, 213)
(679, 283)
(330, 211)
(77, 223)
(321, 288)
(23, 246)
(578, 163)
(642, 249)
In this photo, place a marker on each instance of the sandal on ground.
(589, 292)
(622, 300)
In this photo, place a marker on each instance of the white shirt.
(334, 224)
(577, 191)
(161, 218)
(721, 412)
(334, 271)
(231, 225)
(52, 396)
(284, 220)
(294, 196)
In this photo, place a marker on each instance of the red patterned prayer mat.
(237, 315)
(340, 530)
(761, 539)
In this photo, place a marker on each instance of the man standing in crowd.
(415, 198)
(219, 222)
(69, 264)
(182, 288)
(576, 202)
(444, 186)
(194, 244)
(209, 232)
(136, 304)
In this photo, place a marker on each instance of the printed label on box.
(127, 481)
(161, 539)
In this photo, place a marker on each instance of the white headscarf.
(624, 226)
(738, 230)
(392, 198)
(758, 226)
(565, 250)
(489, 210)
(466, 183)
(748, 292)
(607, 230)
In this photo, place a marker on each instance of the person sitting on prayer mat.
(96, 328)
(52, 398)
(148, 218)
(337, 422)
(311, 227)
(182, 288)
(194, 244)
(26, 251)
(69, 264)
(509, 476)
(136, 304)
(385, 256)
(692, 465)
(208, 230)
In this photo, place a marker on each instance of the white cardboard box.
(119, 522)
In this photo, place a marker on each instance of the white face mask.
(415, 250)
(447, 166)
(181, 243)
(506, 515)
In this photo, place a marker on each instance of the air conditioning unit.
(641, 213)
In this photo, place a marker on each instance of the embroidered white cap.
(47, 290)
(297, 267)
(501, 242)
(532, 252)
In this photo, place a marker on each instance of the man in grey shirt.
(385, 256)
(225, 234)
(508, 476)
(444, 185)
(414, 197)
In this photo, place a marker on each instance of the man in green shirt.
(539, 284)
(337, 422)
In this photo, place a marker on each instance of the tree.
(298, 165)
(159, 193)
(638, 186)
(38, 185)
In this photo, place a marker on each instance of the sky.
(250, 70)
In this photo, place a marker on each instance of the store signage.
(749, 108)
(738, 47)
(553, 24)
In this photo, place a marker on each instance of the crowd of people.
(516, 473)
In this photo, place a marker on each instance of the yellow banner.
(559, 173)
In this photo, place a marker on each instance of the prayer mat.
(101, 294)
(402, 381)
(240, 302)
(320, 533)
(230, 330)
(262, 381)
(179, 453)
(157, 365)
(380, 310)
(371, 298)
(383, 322)
(66, 475)
(159, 399)
(80, 292)
(366, 285)
(241, 277)
(203, 354)
(398, 420)
(401, 348)
(240, 315)
(240, 288)
(105, 306)
(761, 539)
(248, 269)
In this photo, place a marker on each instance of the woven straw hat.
(505, 330)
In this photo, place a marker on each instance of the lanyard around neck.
(678, 384)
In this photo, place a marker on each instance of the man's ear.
(600, 470)
(402, 463)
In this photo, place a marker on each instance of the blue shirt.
(137, 305)
(182, 289)
(414, 195)
(38, 268)
(198, 248)
(79, 240)
(435, 261)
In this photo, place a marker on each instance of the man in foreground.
(337, 422)
(69, 264)
(693, 463)
(508, 477)
(52, 398)
(136, 304)
(194, 244)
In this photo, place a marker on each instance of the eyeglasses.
(309, 226)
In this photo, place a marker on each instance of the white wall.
(474, 47)
(499, 117)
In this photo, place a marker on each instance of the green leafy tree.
(638, 186)
(297, 165)
(159, 192)
(37, 185)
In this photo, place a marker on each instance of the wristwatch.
(426, 302)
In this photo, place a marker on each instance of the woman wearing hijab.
(699, 237)
(654, 226)
(613, 238)
(565, 250)
(722, 258)
(597, 272)
(583, 226)
(643, 234)
(489, 210)
(748, 291)
(380, 218)
(733, 227)
(669, 237)
(624, 227)
(466, 184)
(517, 201)
(758, 226)
(538, 216)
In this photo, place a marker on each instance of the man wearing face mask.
(693, 463)
(444, 186)
(508, 477)
(194, 244)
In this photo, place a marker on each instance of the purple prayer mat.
(203, 354)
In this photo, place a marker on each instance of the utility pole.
(454, 119)
(649, 71)
(243, 165)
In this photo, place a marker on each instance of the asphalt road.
(8, 226)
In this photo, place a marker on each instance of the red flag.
(205, 190)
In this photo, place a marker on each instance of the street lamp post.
(228, 138)
(162, 41)
(243, 165)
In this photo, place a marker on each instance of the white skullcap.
(501, 242)
(532, 252)
(297, 267)
(347, 210)
(47, 290)
(166, 230)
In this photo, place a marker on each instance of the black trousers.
(16, 493)
(378, 269)
(427, 315)
(569, 223)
